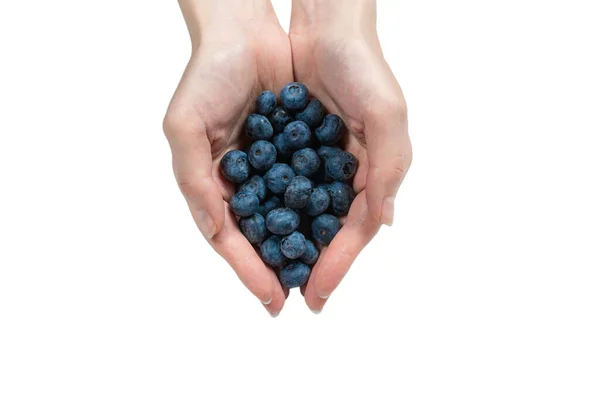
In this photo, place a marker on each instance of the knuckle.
(180, 121)
(392, 107)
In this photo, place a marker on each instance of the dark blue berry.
(306, 162)
(318, 202)
(258, 127)
(311, 253)
(324, 228)
(244, 204)
(254, 228)
(294, 96)
(282, 146)
(293, 245)
(269, 205)
(271, 253)
(297, 135)
(235, 166)
(279, 118)
(341, 166)
(298, 192)
(294, 275)
(330, 131)
(266, 103)
(255, 185)
(312, 115)
(342, 195)
(282, 221)
(262, 155)
(324, 152)
(278, 177)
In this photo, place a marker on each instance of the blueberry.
(318, 202)
(297, 135)
(258, 127)
(294, 96)
(324, 152)
(281, 146)
(312, 115)
(262, 155)
(293, 245)
(235, 166)
(269, 205)
(324, 228)
(279, 177)
(279, 118)
(341, 166)
(244, 204)
(306, 162)
(311, 254)
(330, 131)
(342, 196)
(254, 228)
(298, 192)
(255, 185)
(271, 253)
(266, 103)
(282, 221)
(294, 275)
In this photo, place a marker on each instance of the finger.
(334, 263)
(192, 164)
(389, 153)
(254, 274)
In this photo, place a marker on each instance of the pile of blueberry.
(294, 181)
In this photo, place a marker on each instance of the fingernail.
(387, 211)
(274, 315)
(206, 224)
(324, 297)
(266, 303)
(316, 311)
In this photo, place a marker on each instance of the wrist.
(354, 17)
(221, 16)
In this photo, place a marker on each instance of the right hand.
(239, 50)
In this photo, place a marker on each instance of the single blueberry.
(324, 152)
(235, 166)
(312, 115)
(297, 135)
(298, 192)
(254, 228)
(271, 253)
(324, 228)
(331, 129)
(244, 204)
(255, 185)
(258, 127)
(278, 177)
(272, 203)
(262, 155)
(279, 118)
(293, 245)
(294, 275)
(266, 103)
(318, 202)
(282, 221)
(294, 96)
(311, 254)
(341, 166)
(281, 145)
(306, 162)
(342, 195)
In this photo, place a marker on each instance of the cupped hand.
(239, 50)
(337, 55)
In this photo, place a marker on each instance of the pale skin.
(240, 50)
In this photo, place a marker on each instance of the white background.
(487, 287)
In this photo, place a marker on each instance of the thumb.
(192, 164)
(389, 153)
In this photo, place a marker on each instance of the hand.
(239, 50)
(337, 55)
